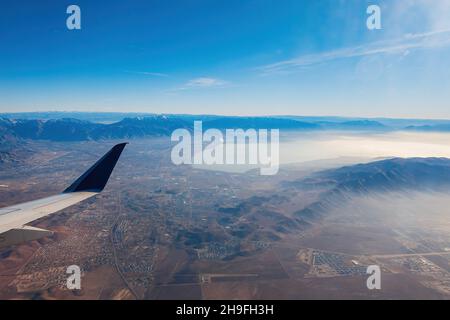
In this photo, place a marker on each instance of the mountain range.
(390, 175)
(70, 129)
(53, 126)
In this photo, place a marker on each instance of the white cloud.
(404, 45)
(146, 73)
(200, 83)
(434, 14)
(398, 18)
(205, 82)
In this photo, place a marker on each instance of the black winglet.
(95, 179)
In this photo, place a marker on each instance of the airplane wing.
(13, 220)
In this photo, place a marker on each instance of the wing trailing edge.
(20, 235)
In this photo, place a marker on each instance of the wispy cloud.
(150, 74)
(205, 82)
(405, 44)
(202, 83)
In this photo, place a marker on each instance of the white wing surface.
(13, 219)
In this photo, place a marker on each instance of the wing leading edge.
(13, 219)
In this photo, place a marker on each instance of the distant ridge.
(353, 125)
(259, 123)
(64, 128)
(70, 129)
(81, 130)
(430, 128)
(391, 175)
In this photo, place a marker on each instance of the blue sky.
(242, 57)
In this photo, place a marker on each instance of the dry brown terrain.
(164, 232)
